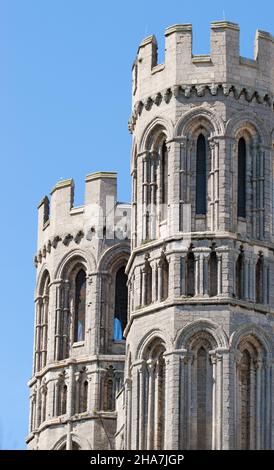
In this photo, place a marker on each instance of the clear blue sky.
(64, 105)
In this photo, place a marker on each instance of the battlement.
(223, 65)
(59, 218)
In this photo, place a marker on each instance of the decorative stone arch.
(44, 269)
(59, 445)
(195, 118)
(151, 390)
(72, 310)
(252, 350)
(251, 173)
(72, 258)
(156, 127)
(44, 282)
(113, 257)
(82, 442)
(151, 336)
(191, 330)
(111, 262)
(42, 303)
(255, 331)
(154, 170)
(202, 343)
(250, 123)
(198, 131)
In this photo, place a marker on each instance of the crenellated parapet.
(183, 75)
(101, 217)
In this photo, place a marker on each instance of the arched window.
(121, 300)
(80, 306)
(201, 184)
(61, 405)
(41, 335)
(190, 274)
(164, 267)
(240, 276)
(160, 387)
(199, 393)
(213, 266)
(253, 402)
(164, 180)
(81, 392)
(84, 397)
(152, 396)
(241, 204)
(44, 392)
(33, 412)
(259, 280)
(244, 390)
(147, 276)
(109, 390)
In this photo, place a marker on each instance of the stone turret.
(200, 330)
(78, 355)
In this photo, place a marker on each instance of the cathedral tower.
(80, 315)
(200, 335)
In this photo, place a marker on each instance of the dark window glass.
(80, 306)
(201, 175)
(241, 205)
(213, 274)
(259, 281)
(109, 395)
(240, 276)
(121, 298)
(190, 279)
(148, 284)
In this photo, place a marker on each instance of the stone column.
(133, 430)
(155, 439)
(219, 274)
(197, 273)
(128, 413)
(37, 361)
(252, 287)
(219, 396)
(38, 404)
(44, 329)
(134, 208)
(246, 276)
(67, 330)
(142, 404)
(205, 272)
(160, 282)
(152, 199)
(144, 284)
(155, 274)
(183, 273)
(267, 444)
(258, 404)
(58, 321)
(145, 197)
(175, 399)
(214, 400)
(265, 282)
(252, 406)
(151, 404)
